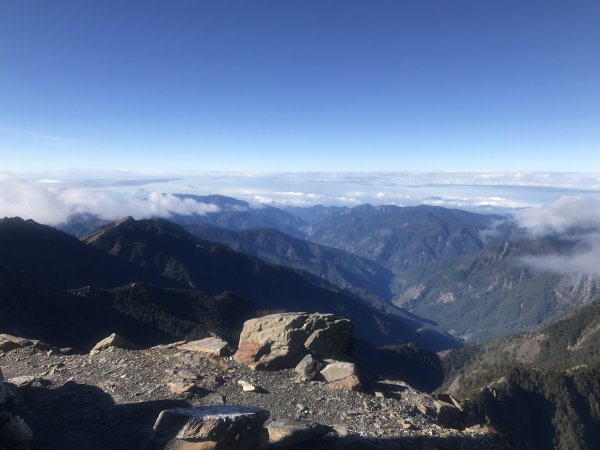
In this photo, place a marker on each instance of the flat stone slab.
(211, 346)
(210, 423)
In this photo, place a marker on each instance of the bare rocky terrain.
(111, 399)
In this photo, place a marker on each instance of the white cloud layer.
(47, 203)
(565, 214)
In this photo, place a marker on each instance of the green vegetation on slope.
(541, 388)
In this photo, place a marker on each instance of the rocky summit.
(176, 397)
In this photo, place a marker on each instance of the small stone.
(406, 425)
(341, 431)
(187, 375)
(422, 409)
(180, 388)
(247, 387)
(379, 394)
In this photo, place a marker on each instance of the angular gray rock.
(114, 340)
(447, 415)
(280, 341)
(308, 368)
(338, 370)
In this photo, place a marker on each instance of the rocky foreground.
(111, 399)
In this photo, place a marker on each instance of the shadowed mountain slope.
(144, 313)
(168, 250)
(58, 260)
(347, 271)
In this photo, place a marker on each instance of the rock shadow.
(78, 416)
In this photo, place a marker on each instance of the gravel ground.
(110, 400)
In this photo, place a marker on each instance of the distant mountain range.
(463, 270)
(402, 237)
(493, 292)
(236, 214)
(164, 254)
(167, 250)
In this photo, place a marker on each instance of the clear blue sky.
(300, 85)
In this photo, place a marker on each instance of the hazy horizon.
(53, 197)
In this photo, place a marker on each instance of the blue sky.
(300, 85)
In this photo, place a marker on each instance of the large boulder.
(280, 341)
(212, 427)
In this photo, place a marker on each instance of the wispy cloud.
(41, 137)
(584, 261)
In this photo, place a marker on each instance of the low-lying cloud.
(563, 215)
(48, 203)
(586, 261)
(577, 218)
